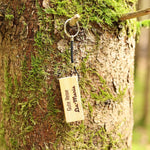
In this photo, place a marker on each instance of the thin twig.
(135, 14)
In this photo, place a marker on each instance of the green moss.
(102, 93)
(100, 11)
(90, 107)
(21, 10)
(82, 137)
(24, 95)
(9, 14)
(9, 17)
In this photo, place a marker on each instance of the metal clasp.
(72, 21)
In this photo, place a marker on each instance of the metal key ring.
(68, 34)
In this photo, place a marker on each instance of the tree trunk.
(147, 88)
(137, 48)
(35, 53)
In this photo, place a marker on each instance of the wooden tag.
(71, 99)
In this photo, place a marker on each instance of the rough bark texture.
(35, 119)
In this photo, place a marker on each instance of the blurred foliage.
(144, 23)
(141, 134)
(140, 24)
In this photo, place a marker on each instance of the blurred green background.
(141, 131)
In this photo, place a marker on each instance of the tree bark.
(147, 89)
(137, 48)
(32, 61)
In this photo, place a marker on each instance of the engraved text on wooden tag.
(71, 99)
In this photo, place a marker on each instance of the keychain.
(69, 85)
(72, 21)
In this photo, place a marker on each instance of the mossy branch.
(135, 14)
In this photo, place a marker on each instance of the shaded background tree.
(141, 132)
(147, 87)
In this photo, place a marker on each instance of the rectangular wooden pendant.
(71, 99)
